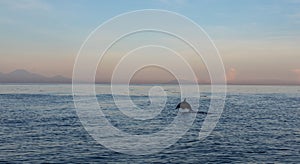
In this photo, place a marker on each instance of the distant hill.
(24, 76)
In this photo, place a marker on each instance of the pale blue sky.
(36, 35)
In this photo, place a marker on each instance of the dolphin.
(184, 105)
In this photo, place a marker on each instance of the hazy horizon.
(59, 79)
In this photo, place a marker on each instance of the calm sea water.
(38, 123)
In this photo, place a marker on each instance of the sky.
(257, 40)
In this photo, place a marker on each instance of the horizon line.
(106, 83)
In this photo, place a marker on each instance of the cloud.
(231, 75)
(6, 20)
(173, 2)
(26, 4)
(297, 73)
(294, 1)
(294, 18)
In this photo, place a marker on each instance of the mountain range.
(24, 76)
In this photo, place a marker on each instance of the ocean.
(38, 123)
